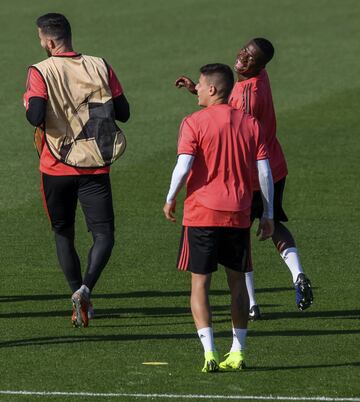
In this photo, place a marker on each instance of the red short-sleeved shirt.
(36, 86)
(226, 144)
(253, 96)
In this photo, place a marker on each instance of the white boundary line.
(180, 396)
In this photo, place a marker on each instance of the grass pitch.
(141, 301)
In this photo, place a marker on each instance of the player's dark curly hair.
(266, 47)
(222, 75)
(55, 25)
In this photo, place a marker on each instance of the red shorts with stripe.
(203, 248)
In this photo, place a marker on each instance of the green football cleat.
(211, 362)
(233, 362)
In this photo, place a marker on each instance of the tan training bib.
(80, 128)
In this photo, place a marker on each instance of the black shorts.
(61, 194)
(257, 205)
(203, 248)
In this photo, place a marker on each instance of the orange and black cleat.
(81, 304)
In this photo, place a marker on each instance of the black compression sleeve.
(36, 111)
(122, 108)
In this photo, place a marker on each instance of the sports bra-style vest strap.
(80, 128)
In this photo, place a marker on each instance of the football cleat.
(91, 314)
(303, 292)
(211, 362)
(254, 313)
(233, 362)
(91, 311)
(73, 317)
(80, 303)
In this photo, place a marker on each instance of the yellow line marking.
(155, 363)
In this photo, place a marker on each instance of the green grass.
(141, 300)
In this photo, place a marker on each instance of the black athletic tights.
(98, 257)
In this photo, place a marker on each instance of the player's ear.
(51, 44)
(212, 90)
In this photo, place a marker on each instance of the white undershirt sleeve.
(266, 187)
(179, 175)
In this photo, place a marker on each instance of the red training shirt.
(253, 96)
(226, 144)
(35, 86)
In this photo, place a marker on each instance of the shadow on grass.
(284, 368)
(157, 312)
(137, 294)
(307, 366)
(81, 337)
(126, 312)
(348, 314)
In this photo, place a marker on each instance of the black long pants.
(61, 194)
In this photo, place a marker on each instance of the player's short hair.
(55, 25)
(266, 48)
(221, 76)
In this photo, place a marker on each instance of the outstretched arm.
(187, 83)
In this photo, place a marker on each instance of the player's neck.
(241, 78)
(247, 76)
(217, 101)
(62, 48)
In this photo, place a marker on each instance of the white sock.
(292, 260)
(85, 289)
(239, 337)
(207, 338)
(249, 279)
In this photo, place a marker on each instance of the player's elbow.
(123, 116)
(266, 174)
(264, 168)
(183, 173)
(121, 108)
(36, 111)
